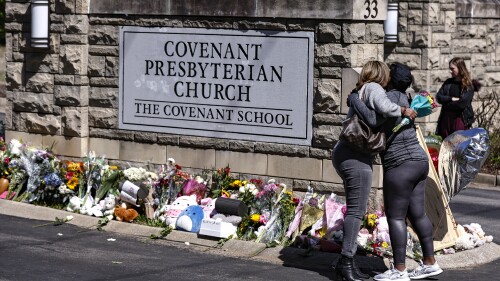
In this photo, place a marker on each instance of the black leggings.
(404, 194)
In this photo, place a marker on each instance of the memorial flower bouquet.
(221, 181)
(423, 103)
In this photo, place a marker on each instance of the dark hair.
(401, 77)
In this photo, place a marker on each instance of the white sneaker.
(392, 275)
(424, 271)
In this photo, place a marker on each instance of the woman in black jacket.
(455, 95)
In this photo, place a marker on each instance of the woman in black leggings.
(405, 172)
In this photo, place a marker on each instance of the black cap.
(401, 77)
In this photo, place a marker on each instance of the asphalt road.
(66, 252)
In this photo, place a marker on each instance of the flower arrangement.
(423, 103)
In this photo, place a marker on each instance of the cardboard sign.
(437, 207)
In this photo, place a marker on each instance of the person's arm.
(377, 99)
(368, 115)
(464, 100)
(442, 96)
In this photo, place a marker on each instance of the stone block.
(103, 97)
(38, 123)
(98, 50)
(103, 117)
(328, 187)
(450, 23)
(66, 146)
(35, 140)
(110, 149)
(325, 136)
(320, 153)
(33, 102)
(350, 77)
(71, 95)
(64, 79)
(73, 59)
(65, 6)
(145, 137)
(375, 33)
(103, 35)
(361, 53)
(353, 33)
(103, 82)
(468, 45)
(76, 24)
(242, 146)
(430, 58)
(168, 139)
(203, 142)
(332, 55)
(414, 16)
(75, 121)
(82, 6)
(329, 33)
(329, 172)
(327, 119)
(191, 157)
(327, 97)
(96, 66)
(330, 72)
(282, 149)
(471, 31)
(430, 14)
(40, 83)
(254, 163)
(112, 67)
(378, 176)
(410, 60)
(17, 12)
(140, 152)
(294, 167)
(74, 39)
(480, 60)
(41, 62)
(211, 24)
(111, 134)
(244, 24)
(14, 75)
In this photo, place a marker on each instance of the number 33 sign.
(369, 9)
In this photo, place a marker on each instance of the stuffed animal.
(208, 206)
(74, 205)
(177, 207)
(123, 214)
(234, 220)
(190, 219)
(381, 232)
(108, 206)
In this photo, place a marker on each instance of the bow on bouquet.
(423, 103)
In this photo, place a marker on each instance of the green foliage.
(492, 164)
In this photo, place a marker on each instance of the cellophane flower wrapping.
(423, 103)
(461, 156)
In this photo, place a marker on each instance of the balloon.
(461, 157)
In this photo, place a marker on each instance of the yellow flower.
(113, 168)
(255, 218)
(226, 193)
(236, 183)
(244, 183)
(384, 244)
(371, 220)
(72, 183)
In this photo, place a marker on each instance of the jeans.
(356, 171)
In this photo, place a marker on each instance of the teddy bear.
(123, 214)
(108, 206)
(74, 205)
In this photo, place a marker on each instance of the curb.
(486, 179)
(286, 256)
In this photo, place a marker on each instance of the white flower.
(170, 161)
(254, 192)
(250, 187)
(15, 147)
(242, 189)
(199, 179)
(271, 181)
(69, 217)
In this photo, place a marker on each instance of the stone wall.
(67, 96)
(432, 32)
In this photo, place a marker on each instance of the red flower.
(227, 170)
(6, 161)
(177, 167)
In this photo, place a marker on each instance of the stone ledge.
(316, 9)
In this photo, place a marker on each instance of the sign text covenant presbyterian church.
(237, 84)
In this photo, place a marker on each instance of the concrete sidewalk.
(286, 256)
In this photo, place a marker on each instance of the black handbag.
(360, 137)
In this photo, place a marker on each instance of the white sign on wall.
(250, 85)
